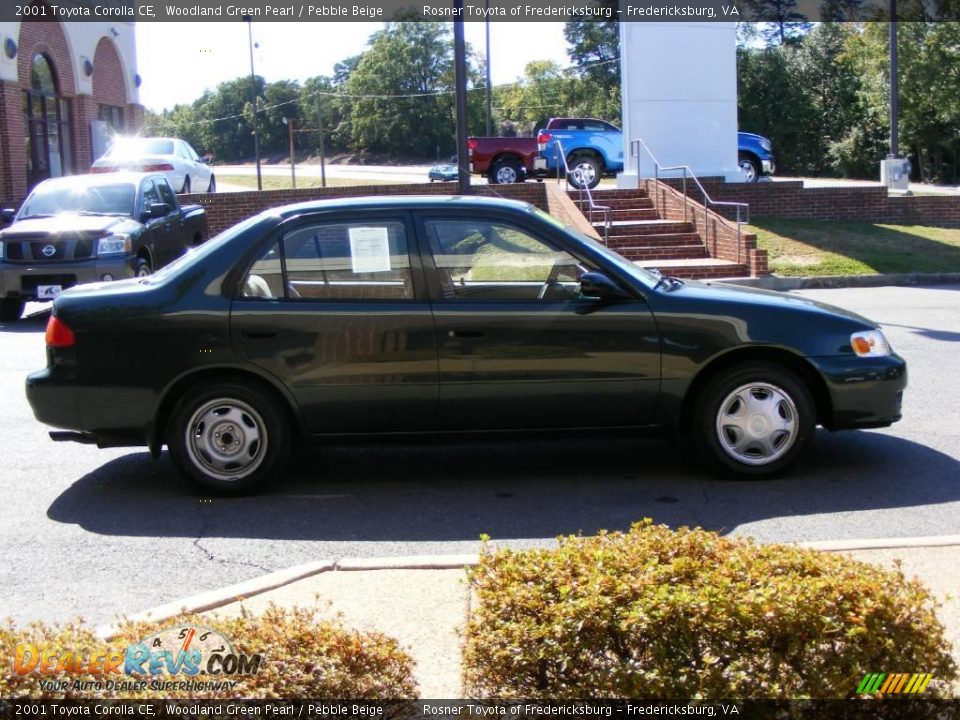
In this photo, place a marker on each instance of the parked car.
(436, 315)
(88, 228)
(505, 160)
(184, 169)
(444, 172)
(595, 148)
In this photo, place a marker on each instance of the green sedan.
(429, 315)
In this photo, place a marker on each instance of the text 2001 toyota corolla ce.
(452, 314)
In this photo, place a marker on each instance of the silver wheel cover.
(506, 174)
(584, 174)
(226, 439)
(757, 424)
(748, 170)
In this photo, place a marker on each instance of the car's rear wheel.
(229, 437)
(754, 419)
(11, 309)
(505, 172)
(584, 170)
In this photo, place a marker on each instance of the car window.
(483, 260)
(351, 261)
(150, 194)
(166, 194)
(597, 126)
(191, 153)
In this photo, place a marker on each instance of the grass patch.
(817, 247)
(282, 182)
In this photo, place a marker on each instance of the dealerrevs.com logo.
(894, 683)
(175, 658)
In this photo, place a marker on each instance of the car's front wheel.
(749, 167)
(754, 419)
(229, 437)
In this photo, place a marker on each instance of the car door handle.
(465, 333)
(258, 334)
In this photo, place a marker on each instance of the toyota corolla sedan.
(432, 315)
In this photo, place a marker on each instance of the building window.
(47, 122)
(112, 115)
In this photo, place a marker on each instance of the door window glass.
(265, 277)
(166, 194)
(482, 260)
(150, 194)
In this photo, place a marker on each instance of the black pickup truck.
(91, 228)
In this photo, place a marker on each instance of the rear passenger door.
(336, 309)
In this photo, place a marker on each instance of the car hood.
(746, 296)
(70, 224)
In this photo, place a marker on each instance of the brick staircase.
(640, 234)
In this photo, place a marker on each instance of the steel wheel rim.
(757, 424)
(748, 170)
(226, 438)
(506, 175)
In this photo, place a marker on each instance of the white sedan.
(184, 169)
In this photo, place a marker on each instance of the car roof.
(96, 179)
(403, 202)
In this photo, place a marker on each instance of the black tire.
(229, 437)
(504, 172)
(212, 187)
(186, 185)
(142, 268)
(750, 167)
(11, 309)
(777, 430)
(590, 167)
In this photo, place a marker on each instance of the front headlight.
(766, 145)
(870, 343)
(114, 245)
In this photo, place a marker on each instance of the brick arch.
(47, 38)
(108, 78)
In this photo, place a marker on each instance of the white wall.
(679, 92)
(82, 38)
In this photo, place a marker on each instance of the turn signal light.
(59, 334)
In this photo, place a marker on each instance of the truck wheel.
(753, 419)
(11, 309)
(586, 167)
(228, 436)
(749, 167)
(142, 268)
(505, 172)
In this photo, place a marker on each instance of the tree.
(595, 53)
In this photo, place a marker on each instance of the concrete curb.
(214, 599)
(771, 282)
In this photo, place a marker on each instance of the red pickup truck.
(505, 159)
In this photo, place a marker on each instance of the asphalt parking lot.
(100, 532)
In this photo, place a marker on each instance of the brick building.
(64, 88)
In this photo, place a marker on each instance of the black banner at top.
(788, 11)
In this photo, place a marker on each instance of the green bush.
(302, 657)
(657, 613)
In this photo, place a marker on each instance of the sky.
(178, 61)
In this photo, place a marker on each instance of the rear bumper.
(21, 280)
(53, 400)
(864, 392)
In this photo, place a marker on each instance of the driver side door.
(519, 346)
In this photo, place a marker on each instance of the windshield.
(98, 199)
(138, 147)
(632, 269)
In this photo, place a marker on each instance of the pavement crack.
(204, 525)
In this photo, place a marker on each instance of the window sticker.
(369, 249)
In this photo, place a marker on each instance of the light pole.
(486, 5)
(291, 124)
(460, 71)
(894, 94)
(253, 99)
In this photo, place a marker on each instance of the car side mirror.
(595, 284)
(158, 210)
(7, 215)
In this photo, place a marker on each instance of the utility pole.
(894, 92)
(486, 4)
(323, 162)
(290, 123)
(460, 65)
(253, 99)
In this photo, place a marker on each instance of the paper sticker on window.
(369, 249)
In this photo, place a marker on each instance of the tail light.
(161, 167)
(59, 334)
(471, 146)
(105, 169)
(543, 140)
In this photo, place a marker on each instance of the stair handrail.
(581, 186)
(708, 201)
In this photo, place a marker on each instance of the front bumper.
(864, 392)
(20, 280)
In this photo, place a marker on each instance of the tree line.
(819, 91)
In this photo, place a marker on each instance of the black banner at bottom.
(873, 709)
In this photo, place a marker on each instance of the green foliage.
(660, 613)
(302, 657)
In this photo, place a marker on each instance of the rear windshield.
(140, 146)
(115, 199)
